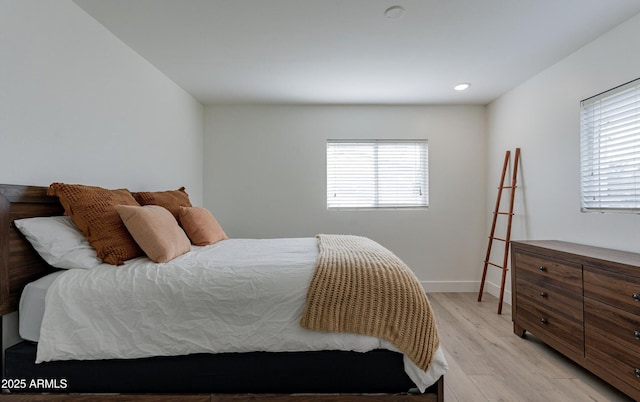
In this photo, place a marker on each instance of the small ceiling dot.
(394, 12)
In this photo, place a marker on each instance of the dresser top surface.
(582, 251)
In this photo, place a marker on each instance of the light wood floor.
(488, 362)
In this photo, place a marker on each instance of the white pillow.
(59, 242)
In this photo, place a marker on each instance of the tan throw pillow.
(201, 227)
(156, 231)
(93, 211)
(171, 200)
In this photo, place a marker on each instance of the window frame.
(606, 120)
(423, 160)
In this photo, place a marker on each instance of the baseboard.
(464, 287)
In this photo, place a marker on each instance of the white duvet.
(237, 295)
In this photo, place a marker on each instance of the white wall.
(542, 117)
(265, 177)
(79, 106)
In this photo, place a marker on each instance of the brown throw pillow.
(201, 227)
(93, 210)
(171, 200)
(155, 230)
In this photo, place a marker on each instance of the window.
(377, 174)
(610, 150)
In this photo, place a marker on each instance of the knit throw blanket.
(361, 287)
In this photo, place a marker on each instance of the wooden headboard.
(19, 262)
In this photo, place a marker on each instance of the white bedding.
(31, 306)
(237, 295)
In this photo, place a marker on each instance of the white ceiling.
(347, 51)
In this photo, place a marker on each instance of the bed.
(237, 374)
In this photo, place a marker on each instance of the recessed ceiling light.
(394, 12)
(462, 86)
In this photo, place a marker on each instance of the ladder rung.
(504, 213)
(495, 265)
(498, 238)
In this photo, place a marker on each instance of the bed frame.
(20, 264)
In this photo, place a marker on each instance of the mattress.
(249, 293)
(31, 307)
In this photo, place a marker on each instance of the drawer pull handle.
(636, 334)
(544, 321)
(635, 297)
(637, 371)
(542, 268)
(543, 294)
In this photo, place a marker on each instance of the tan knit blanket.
(361, 287)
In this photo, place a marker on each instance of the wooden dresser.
(583, 301)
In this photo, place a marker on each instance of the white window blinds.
(610, 150)
(377, 174)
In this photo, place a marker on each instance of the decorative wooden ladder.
(507, 238)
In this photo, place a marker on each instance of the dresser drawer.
(614, 363)
(566, 335)
(550, 271)
(621, 326)
(549, 297)
(614, 289)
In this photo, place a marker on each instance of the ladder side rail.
(493, 224)
(516, 162)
